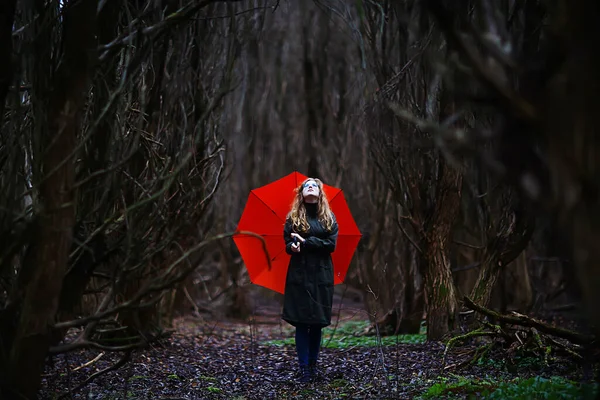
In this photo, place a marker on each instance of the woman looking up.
(310, 235)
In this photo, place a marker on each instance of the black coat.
(308, 294)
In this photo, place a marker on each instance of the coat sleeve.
(325, 244)
(287, 236)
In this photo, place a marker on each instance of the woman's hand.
(300, 238)
(296, 247)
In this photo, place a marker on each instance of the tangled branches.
(520, 334)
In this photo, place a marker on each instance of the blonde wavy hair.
(297, 213)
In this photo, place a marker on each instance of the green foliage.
(349, 334)
(555, 388)
(529, 362)
(214, 389)
(447, 389)
(526, 362)
(491, 363)
(538, 387)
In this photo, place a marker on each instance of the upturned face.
(310, 190)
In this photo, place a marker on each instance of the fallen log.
(523, 320)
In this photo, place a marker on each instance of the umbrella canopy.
(265, 214)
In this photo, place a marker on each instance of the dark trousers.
(308, 343)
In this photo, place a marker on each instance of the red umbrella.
(265, 214)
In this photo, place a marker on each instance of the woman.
(310, 235)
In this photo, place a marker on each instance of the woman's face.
(310, 191)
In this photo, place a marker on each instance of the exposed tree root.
(517, 333)
(476, 333)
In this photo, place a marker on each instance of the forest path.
(219, 359)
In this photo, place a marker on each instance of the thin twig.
(126, 357)
(87, 364)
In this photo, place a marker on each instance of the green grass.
(555, 388)
(519, 363)
(348, 334)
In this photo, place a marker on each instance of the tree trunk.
(515, 228)
(572, 126)
(312, 94)
(514, 233)
(412, 313)
(440, 293)
(488, 276)
(47, 257)
(7, 17)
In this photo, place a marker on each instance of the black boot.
(312, 370)
(304, 376)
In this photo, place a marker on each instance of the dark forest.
(463, 135)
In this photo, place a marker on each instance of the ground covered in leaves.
(256, 360)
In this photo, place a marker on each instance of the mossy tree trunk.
(440, 292)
